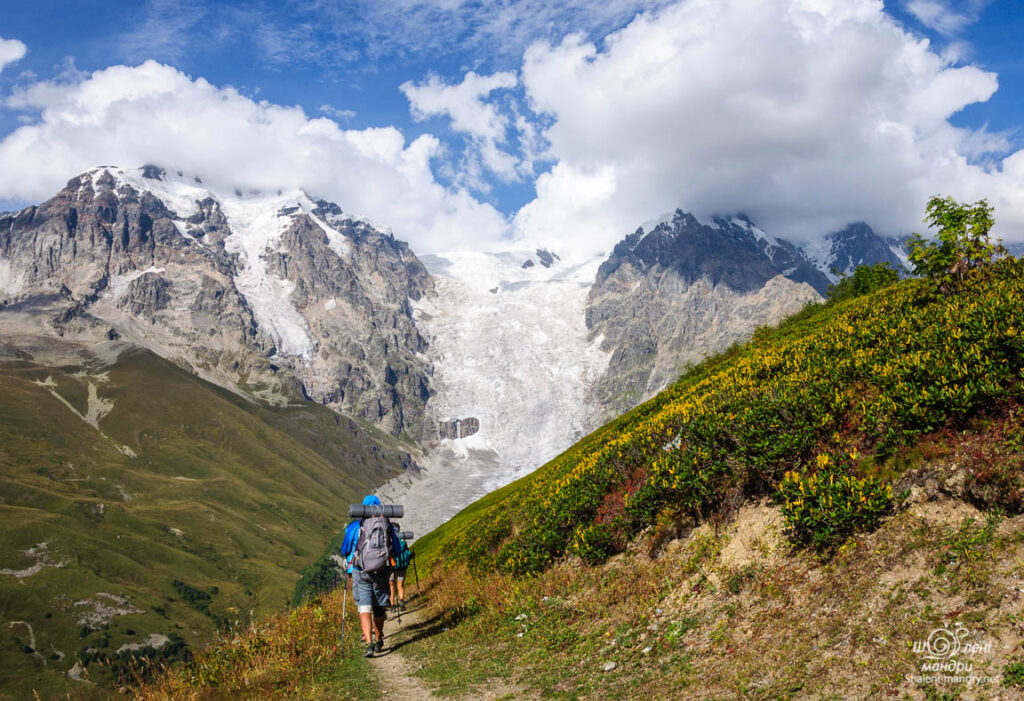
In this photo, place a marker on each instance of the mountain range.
(173, 353)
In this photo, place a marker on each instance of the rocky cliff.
(273, 296)
(677, 291)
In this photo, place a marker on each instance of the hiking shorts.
(398, 573)
(371, 592)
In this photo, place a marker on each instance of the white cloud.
(153, 113)
(946, 17)
(470, 114)
(806, 114)
(337, 114)
(11, 50)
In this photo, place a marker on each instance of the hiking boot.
(370, 647)
(401, 604)
(378, 646)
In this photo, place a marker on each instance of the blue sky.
(578, 141)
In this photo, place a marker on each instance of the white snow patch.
(119, 283)
(10, 282)
(341, 246)
(179, 193)
(330, 304)
(821, 254)
(255, 228)
(509, 347)
(652, 224)
(901, 253)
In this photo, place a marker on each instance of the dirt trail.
(396, 673)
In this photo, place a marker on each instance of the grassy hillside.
(823, 405)
(789, 520)
(138, 500)
(795, 518)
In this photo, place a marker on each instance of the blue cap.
(371, 500)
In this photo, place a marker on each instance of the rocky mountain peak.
(730, 251)
(840, 252)
(270, 295)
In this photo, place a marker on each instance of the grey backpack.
(373, 548)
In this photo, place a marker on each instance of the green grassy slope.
(180, 481)
(839, 388)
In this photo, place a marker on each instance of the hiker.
(398, 573)
(369, 547)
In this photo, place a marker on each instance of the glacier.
(510, 347)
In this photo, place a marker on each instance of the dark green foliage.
(594, 543)
(824, 507)
(963, 242)
(139, 664)
(196, 598)
(319, 577)
(1013, 673)
(864, 280)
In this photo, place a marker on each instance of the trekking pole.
(415, 572)
(344, 605)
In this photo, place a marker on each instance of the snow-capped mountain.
(272, 295)
(840, 252)
(681, 289)
(495, 362)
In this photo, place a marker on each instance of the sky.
(482, 124)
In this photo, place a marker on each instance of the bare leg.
(378, 623)
(364, 622)
(401, 590)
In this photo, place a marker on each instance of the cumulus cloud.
(153, 113)
(805, 114)
(11, 50)
(465, 104)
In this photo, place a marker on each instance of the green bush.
(1013, 673)
(823, 508)
(593, 543)
(962, 244)
(864, 280)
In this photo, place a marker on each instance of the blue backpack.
(404, 554)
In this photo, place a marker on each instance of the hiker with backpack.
(398, 573)
(370, 546)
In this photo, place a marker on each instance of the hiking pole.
(415, 572)
(344, 605)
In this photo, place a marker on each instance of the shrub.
(824, 508)
(963, 241)
(864, 280)
(593, 543)
(1013, 673)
